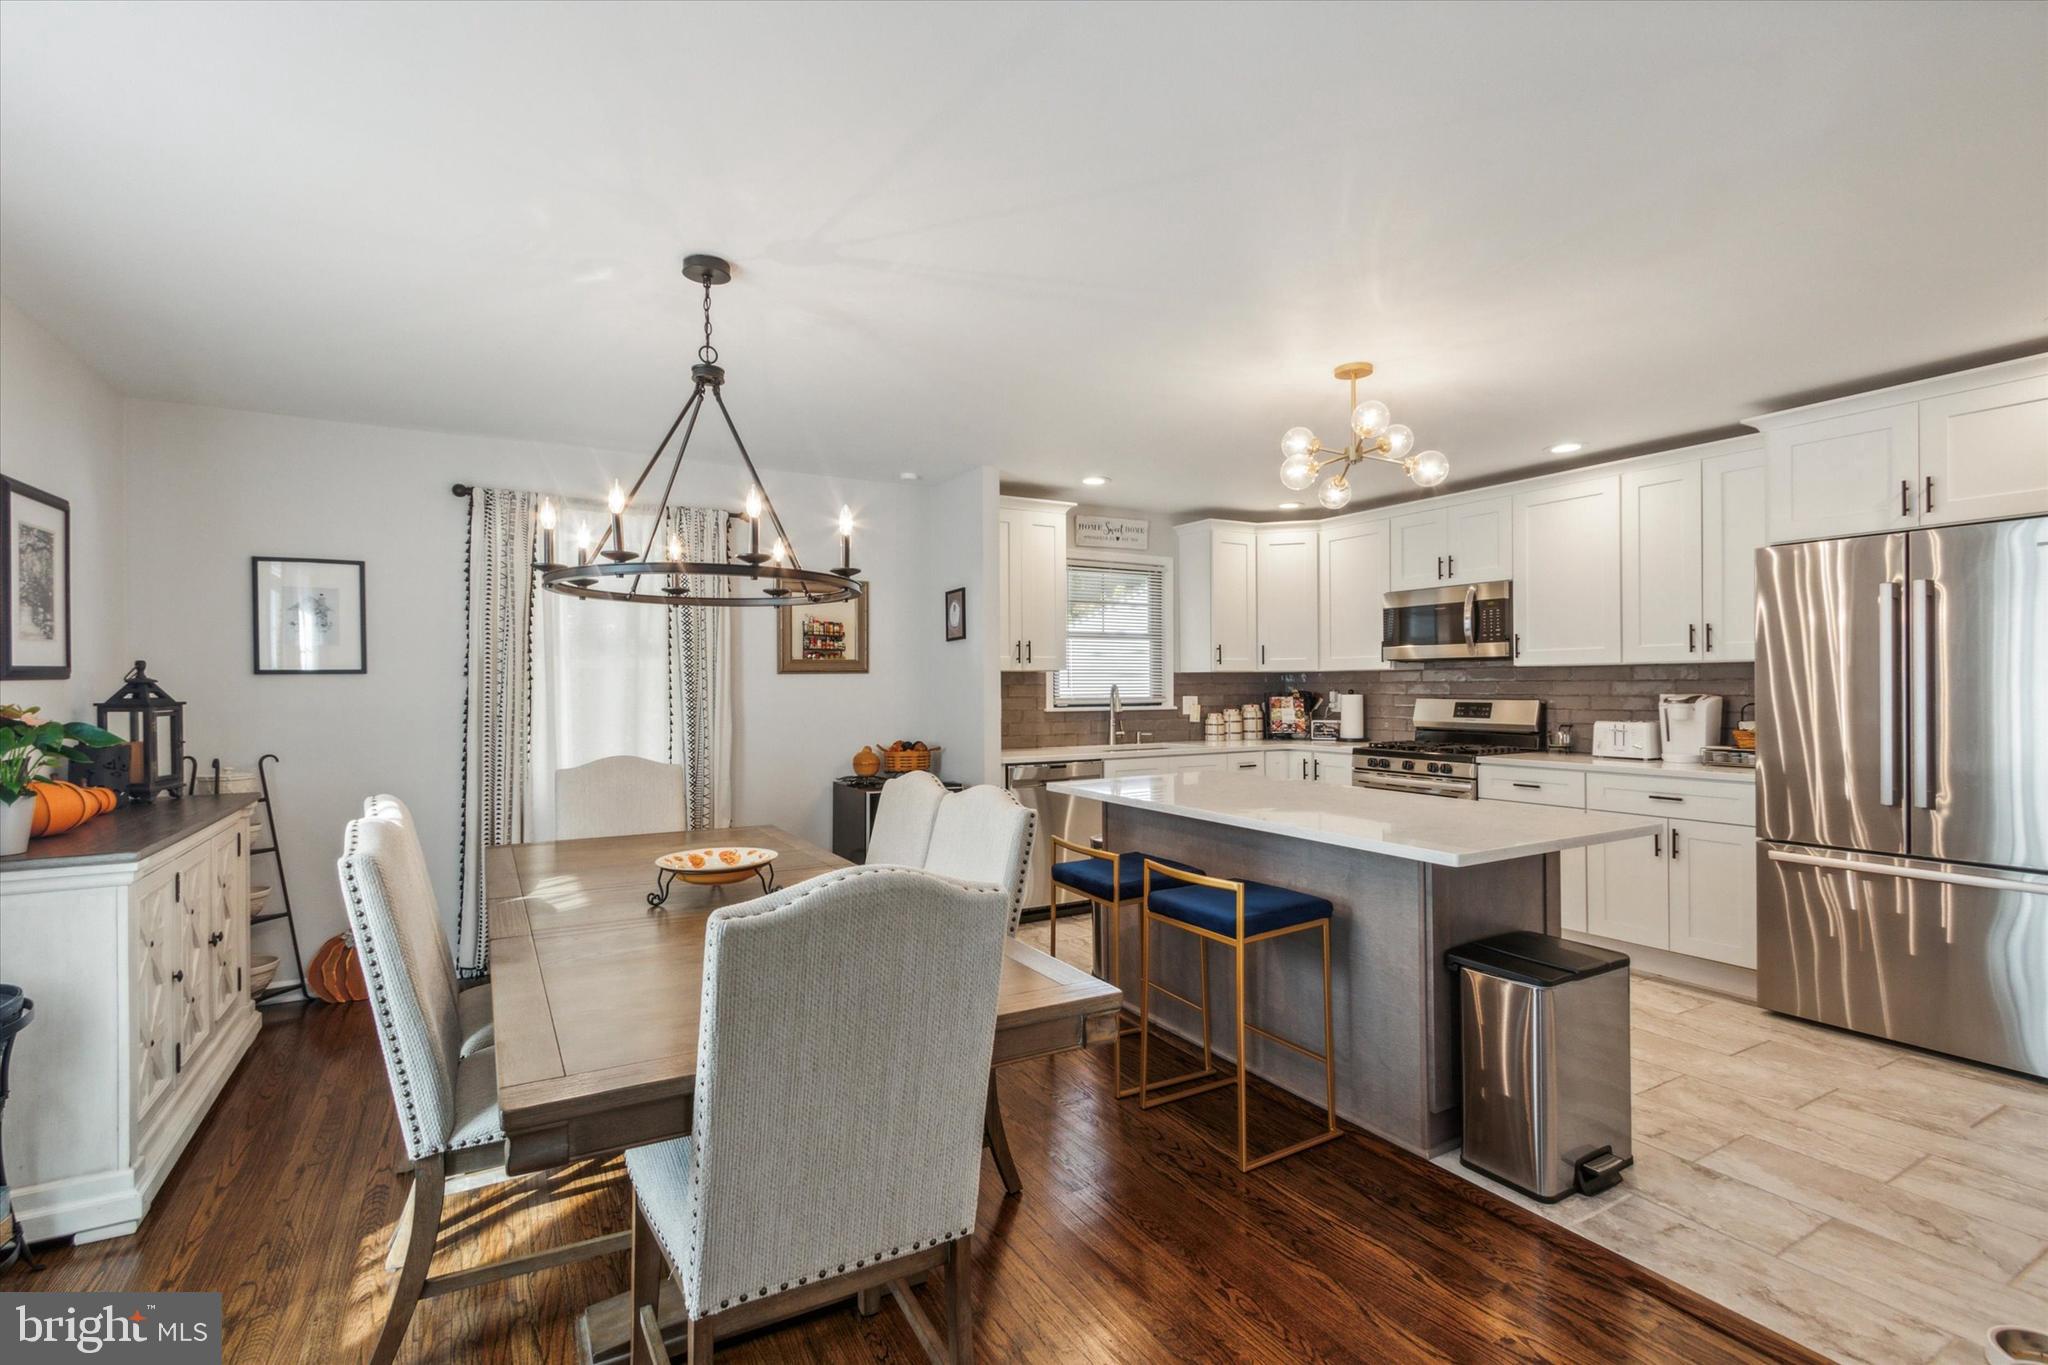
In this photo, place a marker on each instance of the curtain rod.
(462, 490)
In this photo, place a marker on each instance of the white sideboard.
(131, 935)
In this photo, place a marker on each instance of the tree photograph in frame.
(308, 615)
(35, 583)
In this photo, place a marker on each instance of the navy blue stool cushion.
(1266, 908)
(1090, 876)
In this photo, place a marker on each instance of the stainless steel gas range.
(1451, 736)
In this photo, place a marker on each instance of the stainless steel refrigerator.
(1902, 787)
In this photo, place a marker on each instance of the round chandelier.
(1303, 458)
(611, 572)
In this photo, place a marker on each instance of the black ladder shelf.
(284, 892)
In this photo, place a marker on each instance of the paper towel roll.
(1350, 715)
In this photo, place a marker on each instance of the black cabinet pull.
(1453, 562)
(178, 975)
(1656, 845)
(1692, 639)
(1439, 566)
(1304, 770)
(1262, 654)
(1027, 651)
(1905, 497)
(1518, 644)
(177, 886)
(1710, 637)
(1219, 654)
(1927, 503)
(1679, 799)
(1674, 845)
(177, 1057)
(1530, 786)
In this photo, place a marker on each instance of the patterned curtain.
(497, 705)
(700, 674)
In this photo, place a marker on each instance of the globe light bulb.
(1299, 441)
(1431, 468)
(1399, 440)
(615, 502)
(1335, 493)
(1369, 419)
(1298, 471)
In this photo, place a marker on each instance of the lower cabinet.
(1293, 765)
(1689, 888)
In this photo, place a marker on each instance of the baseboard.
(1719, 977)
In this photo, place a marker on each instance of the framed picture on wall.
(956, 614)
(308, 615)
(35, 582)
(823, 638)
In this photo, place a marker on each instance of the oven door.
(1469, 621)
(1382, 780)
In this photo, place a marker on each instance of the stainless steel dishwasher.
(1077, 821)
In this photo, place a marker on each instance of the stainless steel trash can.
(1545, 1044)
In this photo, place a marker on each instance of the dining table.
(595, 998)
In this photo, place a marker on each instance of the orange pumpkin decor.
(336, 974)
(63, 806)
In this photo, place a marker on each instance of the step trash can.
(1544, 1028)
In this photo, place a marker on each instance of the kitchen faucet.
(1116, 714)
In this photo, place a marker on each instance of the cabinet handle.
(1027, 651)
(1453, 563)
(177, 1057)
(1304, 770)
(1518, 644)
(1674, 845)
(1262, 654)
(1219, 654)
(1692, 639)
(1905, 497)
(1679, 799)
(1710, 637)
(1656, 845)
(213, 940)
(178, 975)
(1439, 566)
(177, 886)
(1927, 502)
(1530, 786)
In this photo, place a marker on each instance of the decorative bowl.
(261, 970)
(716, 865)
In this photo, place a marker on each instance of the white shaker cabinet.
(1286, 614)
(1984, 453)
(1626, 894)
(1846, 475)
(135, 951)
(1567, 541)
(1465, 540)
(1031, 554)
(1217, 580)
(1660, 564)
(1732, 530)
(1354, 567)
(1713, 890)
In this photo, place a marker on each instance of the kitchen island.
(1409, 876)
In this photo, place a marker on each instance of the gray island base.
(1409, 876)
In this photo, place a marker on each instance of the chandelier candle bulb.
(845, 540)
(547, 532)
(615, 503)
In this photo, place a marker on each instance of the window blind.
(1116, 635)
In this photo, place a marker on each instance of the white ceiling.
(1062, 239)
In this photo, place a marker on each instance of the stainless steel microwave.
(1471, 621)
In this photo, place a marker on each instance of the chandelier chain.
(707, 352)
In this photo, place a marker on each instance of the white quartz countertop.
(1177, 749)
(1655, 767)
(1428, 829)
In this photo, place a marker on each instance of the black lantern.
(156, 735)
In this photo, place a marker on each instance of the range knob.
(1408, 764)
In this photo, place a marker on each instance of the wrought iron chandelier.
(610, 572)
(1303, 458)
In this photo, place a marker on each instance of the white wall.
(964, 681)
(60, 431)
(228, 485)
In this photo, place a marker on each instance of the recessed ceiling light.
(1094, 480)
(909, 476)
(1568, 447)
(1290, 507)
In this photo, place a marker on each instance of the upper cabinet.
(1287, 593)
(1984, 452)
(1031, 556)
(1567, 540)
(1470, 540)
(1352, 585)
(1690, 529)
(1963, 447)
(1732, 497)
(1218, 586)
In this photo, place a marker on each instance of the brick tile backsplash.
(1571, 696)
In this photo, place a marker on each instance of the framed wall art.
(823, 638)
(35, 582)
(308, 615)
(956, 614)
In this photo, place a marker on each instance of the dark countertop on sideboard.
(129, 834)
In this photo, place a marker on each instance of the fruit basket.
(909, 756)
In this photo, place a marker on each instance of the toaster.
(1625, 739)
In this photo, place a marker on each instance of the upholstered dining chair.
(903, 820)
(619, 795)
(984, 835)
(832, 1150)
(447, 1102)
(472, 1002)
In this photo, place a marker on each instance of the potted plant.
(29, 748)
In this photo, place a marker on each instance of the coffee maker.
(1688, 722)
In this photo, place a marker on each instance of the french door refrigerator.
(1902, 787)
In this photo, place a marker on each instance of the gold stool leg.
(1243, 1091)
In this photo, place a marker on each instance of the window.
(1116, 635)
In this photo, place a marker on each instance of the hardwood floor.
(1136, 1239)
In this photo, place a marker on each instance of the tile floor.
(1872, 1202)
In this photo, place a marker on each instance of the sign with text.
(1112, 533)
(167, 1329)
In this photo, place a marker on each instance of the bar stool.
(1239, 914)
(1106, 880)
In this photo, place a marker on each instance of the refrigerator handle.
(1887, 693)
(1912, 874)
(1921, 684)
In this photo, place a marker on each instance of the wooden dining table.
(595, 994)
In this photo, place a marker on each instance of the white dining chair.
(619, 795)
(983, 835)
(447, 1102)
(472, 999)
(903, 820)
(832, 1150)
